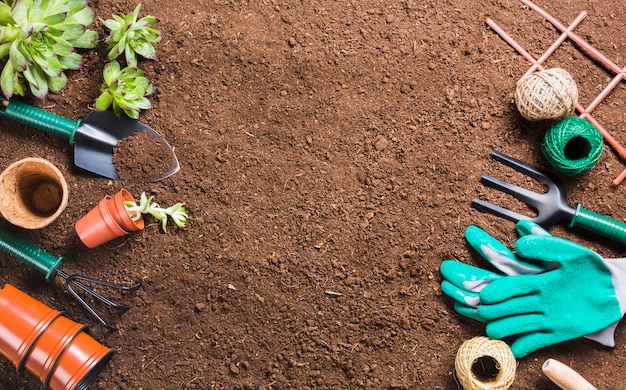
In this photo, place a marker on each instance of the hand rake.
(551, 207)
(49, 265)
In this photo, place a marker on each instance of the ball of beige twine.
(470, 354)
(548, 94)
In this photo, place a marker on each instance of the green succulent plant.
(40, 38)
(131, 36)
(177, 213)
(125, 89)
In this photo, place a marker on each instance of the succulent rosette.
(124, 89)
(132, 37)
(40, 38)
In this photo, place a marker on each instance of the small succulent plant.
(40, 38)
(124, 89)
(132, 37)
(177, 213)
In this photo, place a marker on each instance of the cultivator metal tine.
(524, 168)
(529, 197)
(550, 206)
(499, 211)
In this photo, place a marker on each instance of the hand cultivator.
(551, 207)
(48, 265)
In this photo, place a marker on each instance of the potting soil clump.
(140, 158)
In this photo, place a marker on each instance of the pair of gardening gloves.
(548, 291)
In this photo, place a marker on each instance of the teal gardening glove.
(498, 255)
(554, 290)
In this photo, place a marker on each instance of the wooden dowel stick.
(565, 377)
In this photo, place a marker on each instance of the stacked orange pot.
(49, 345)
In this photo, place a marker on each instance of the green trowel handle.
(600, 224)
(29, 254)
(39, 119)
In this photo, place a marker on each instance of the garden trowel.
(94, 138)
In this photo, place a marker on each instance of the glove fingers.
(464, 297)
(501, 257)
(531, 330)
(516, 306)
(467, 311)
(531, 342)
(509, 287)
(552, 249)
(515, 325)
(526, 228)
(466, 277)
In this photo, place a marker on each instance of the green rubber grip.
(40, 119)
(600, 224)
(29, 254)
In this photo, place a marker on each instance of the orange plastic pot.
(45, 351)
(79, 364)
(108, 220)
(22, 322)
(53, 347)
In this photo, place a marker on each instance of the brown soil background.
(325, 147)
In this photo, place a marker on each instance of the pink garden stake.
(567, 32)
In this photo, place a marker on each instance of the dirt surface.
(329, 151)
(141, 158)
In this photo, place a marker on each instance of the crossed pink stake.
(567, 32)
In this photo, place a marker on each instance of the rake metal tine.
(517, 192)
(499, 211)
(75, 280)
(91, 311)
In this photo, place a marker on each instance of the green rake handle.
(29, 254)
(48, 265)
(600, 224)
(39, 119)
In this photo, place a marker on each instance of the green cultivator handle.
(29, 254)
(599, 224)
(39, 119)
(551, 206)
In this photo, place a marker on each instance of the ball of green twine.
(572, 145)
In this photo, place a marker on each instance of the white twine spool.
(548, 94)
(475, 352)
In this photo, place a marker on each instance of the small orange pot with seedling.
(108, 220)
(49, 345)
(120, 215)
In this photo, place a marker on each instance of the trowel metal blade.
(97, 137)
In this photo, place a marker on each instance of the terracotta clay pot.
(108, 220)
(49, 345)
(118, 210)
(33, 193)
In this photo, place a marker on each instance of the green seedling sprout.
(40, 38)
(177, 212)
(126, 89)
(131, 36)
